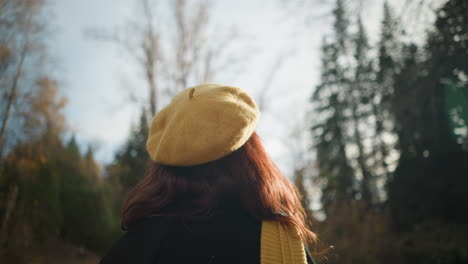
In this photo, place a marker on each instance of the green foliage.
(88, 218)
(346, 113)
(329, 128)
(61, 192)
(58, 199)
(42, 192)
(397, 117)
(456, 101)
(129, 164)
(132, 158)
(49, 191)
(432, 167)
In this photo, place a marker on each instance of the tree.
(133, 156)
(431, 169)
(29, 170)
(410, 96)
(56, 187)
(359, 102)
(382, 93)
(171, 60)
(329, 129)
(72, 147)
(21, 50)
(30, 175)
(129, 164)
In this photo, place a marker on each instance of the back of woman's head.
(246, 178)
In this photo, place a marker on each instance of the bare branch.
(10, 101)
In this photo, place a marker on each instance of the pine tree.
(132, 158)
(359, 102)
(447, 51)
(329, 125)
(72, 147)
(430, 178)
(406, 103)
(383, 92)
(91, 167)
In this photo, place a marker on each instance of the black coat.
(229, 236)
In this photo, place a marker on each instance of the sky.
(96, 76)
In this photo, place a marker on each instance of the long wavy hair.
(247, 178)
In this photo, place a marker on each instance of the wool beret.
(202, 124)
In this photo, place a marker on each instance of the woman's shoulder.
(138, 243)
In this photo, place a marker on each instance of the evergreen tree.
(130, 162)
(447, 60)
(329, 125)
(359, 102)
(432, 168)
(410, 100)
(383, 92)
(90, 165)
(72, 147)
(57, 197)
(406, 103)
(132, 158)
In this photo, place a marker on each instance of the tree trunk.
(11, 203)
(366, 191)
(9, 104)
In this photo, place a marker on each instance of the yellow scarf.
(280, 245)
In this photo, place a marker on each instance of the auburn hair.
(247, 177)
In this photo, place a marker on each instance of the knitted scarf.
(280, 245)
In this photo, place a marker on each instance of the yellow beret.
(202, 124)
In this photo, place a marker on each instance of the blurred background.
(364, 107)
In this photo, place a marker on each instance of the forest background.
(365, 109)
